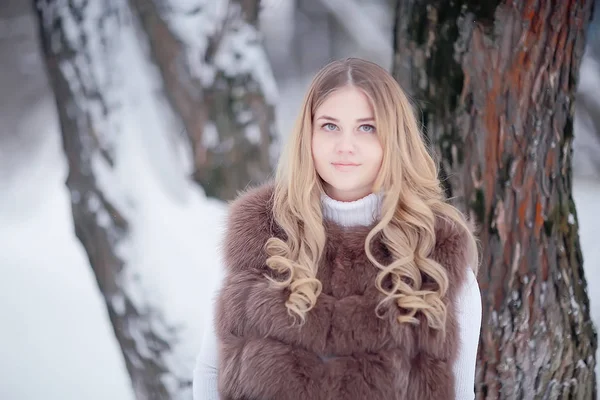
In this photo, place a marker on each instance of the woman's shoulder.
(249, 225)
(253, 203)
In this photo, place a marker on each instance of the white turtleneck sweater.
(363, 212)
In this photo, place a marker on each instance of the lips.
(344, 166)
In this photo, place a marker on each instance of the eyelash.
(370, 126)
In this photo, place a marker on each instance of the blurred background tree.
(220, 86)
(219, 81)
(495, 83)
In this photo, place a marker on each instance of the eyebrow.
(336, 120)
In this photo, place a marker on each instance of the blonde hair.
(413, 200)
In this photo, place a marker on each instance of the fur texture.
(343, 351)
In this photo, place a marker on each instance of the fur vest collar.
(344, 350)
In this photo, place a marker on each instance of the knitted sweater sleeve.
(205, 372)
(469, 319)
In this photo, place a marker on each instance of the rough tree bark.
(79, 41)
(218, 79)
(495, 83)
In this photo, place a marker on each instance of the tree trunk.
(79, 41)
(218, 79)
(495, 83)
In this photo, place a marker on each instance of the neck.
(361, 212)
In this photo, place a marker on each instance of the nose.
(345, 144)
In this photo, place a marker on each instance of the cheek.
(314, 145)
(316, 150)
(379, 157)
(319, 148)
(375, 154)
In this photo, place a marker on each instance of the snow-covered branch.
(219, 80)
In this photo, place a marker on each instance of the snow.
(172, 251)
(210, 136)
(586, 143)
(239, 51)
(586, 192)
(253, 135)
(57, 341)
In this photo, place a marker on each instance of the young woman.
(349, 276)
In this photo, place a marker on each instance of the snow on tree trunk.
(219, 80)
(81, 41)
(495, 84)
(586, 144)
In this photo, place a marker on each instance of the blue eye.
(367, 128)
(329, 126)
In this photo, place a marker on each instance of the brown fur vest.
(343, 351)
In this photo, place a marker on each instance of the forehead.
(346, 101)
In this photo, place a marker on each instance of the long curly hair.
(413, 200)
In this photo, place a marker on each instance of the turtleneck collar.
(361, 212)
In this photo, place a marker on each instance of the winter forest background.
(114, 179)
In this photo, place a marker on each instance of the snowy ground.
(587, 199)
(57, 341)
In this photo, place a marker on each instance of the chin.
(348, 189)
(356, 192)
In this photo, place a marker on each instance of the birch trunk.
(80, 41)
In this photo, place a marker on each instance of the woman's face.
(346, 149)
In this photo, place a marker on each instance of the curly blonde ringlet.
(413, 200)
